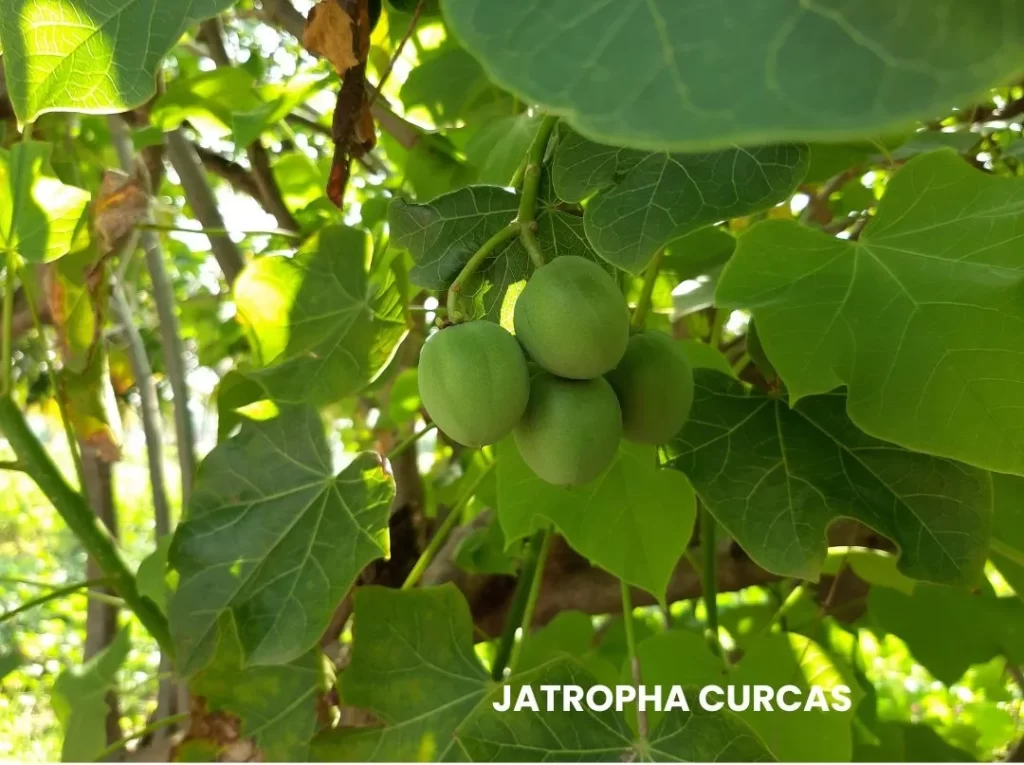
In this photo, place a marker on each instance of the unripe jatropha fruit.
(473, 382)
(654, 385)
(571, 429)
(572, 318)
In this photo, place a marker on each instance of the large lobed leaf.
(274, 537)
(922, 318)
(776, 477)
(322, 328)
(634, 520)
(91, 56)
(414, 667)
(695, 75)
(644, 200)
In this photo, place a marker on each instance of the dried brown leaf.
(328, 33)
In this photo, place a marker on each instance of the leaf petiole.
(643, 303)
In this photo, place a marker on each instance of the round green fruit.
(473, 382)
(571, 429)
(572, 319)
(654, 385)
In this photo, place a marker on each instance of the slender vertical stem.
(531, 601)
(717, 325)
(398, 52)
(634, 660)
(80, 519)
(170, 334)
(516, 611)
(643, 303)
(709, 580)
(443, 531)
(7, 354)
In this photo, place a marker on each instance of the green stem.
(436, 542)
(516, 611)
(531, 601)
(527, 217)
(7, 358)
(60, 592)
(634, 660)
(1007, 551)
(643, 303)
(80, 519)
(486, 250)
(709, 579)
(410, 441)
(741, 363)
(163, 722)
(717, 325)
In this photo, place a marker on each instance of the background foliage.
(228, 229)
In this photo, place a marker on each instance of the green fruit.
(571, 429)
(473, 382)
(572, 319)
(654, 386)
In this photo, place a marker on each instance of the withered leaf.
(121, 205)
(328, 33)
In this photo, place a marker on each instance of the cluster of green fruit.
(573, 385)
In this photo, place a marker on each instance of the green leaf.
(634, 520)
(1008, 528)
(437, 705)
(152, 576)
(642, 201)
(703, 356)
(322, 329)
(909, 742)
(671, 75)
(484, 552)
(274, 536)
(876, 567)
(592, 736)
(207, 101)
(443, 235)
(10, 660)
(39, 215)
(79, 701)
(948, 630)
(428, 634)
(776, 477)
(90, 56)
(277, 706)
(921, 318)
(682, 658)
(278, 100)
(497, 148)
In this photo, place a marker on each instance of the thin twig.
(398, 52)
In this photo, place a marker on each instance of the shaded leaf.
(682, 658)
(90, 56)
(428, 634)
(777, 477)
(921, 318)
(277, 706)
(591, 736)
(320, 326)
(909, 742)
(39, 215)
(79, 701)
(274, 536)
(949, 630)
(91, 407)
(876, 567)
(153, 578)
(643, 201)
(670, 75)
(634, 520)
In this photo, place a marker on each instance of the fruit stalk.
(710, 578)
(643, 303)
(485, 251)
(520, 599)
(527, 217)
